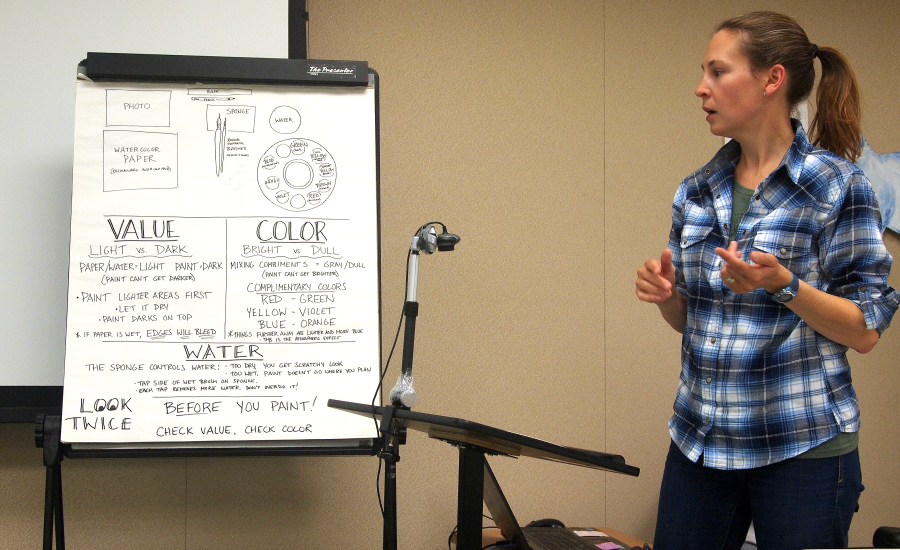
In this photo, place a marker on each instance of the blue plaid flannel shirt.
(758, 385)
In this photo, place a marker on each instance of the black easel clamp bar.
(207, 69)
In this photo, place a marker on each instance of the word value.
(142, 229)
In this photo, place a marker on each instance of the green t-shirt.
(740, 203)
(838, 445)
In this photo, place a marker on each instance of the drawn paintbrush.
(217, 139)
(222, 147)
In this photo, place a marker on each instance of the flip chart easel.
(224, 269)
(225, 261)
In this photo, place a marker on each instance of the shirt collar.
(795, 158)
(792, 162)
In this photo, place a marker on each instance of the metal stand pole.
(403, 396)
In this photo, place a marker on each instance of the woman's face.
(732, 94)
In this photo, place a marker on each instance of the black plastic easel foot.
(47, 435)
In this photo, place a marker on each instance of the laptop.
(536, 538)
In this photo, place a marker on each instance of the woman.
(775, 267)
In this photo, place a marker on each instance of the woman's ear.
(775, 78)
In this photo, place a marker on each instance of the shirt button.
(713, 340)
(709, 380)
(718, 302)
(863, 288)
(707, 171)
(783, 251)
(706, 420)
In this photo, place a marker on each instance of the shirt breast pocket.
(793, 250)
(695, 232)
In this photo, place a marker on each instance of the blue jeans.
(794, 504)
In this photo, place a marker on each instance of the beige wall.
(551, 136)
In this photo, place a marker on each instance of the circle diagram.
(285, 120)
(296, 174)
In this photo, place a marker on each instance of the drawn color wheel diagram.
(296, 174)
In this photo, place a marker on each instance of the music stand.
(474, 441)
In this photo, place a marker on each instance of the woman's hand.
(831, 316)
(656, 279)
(765, 272)
(656, 284)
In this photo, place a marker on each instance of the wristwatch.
(787, 293)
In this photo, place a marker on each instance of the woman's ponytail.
(836, 124)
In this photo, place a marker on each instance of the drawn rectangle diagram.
(145, 108)
(139, 160)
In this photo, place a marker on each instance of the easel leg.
(48, 431)
(49, 495)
